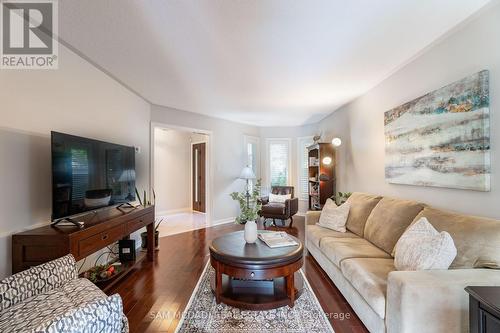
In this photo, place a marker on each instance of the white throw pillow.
(334, 217)
(279, 198)
(422, 247)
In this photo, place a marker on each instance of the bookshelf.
(321, 171)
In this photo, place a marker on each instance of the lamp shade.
(247, 173)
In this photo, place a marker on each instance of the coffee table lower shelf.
(257, 294)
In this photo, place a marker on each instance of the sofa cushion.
(338, 249)
(40, 309)
(334, 217)
(369, 277)
(477, 239)
(388, 220)
(315, 233)
(422, 247)
(361, 206)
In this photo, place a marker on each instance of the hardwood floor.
(155, 294)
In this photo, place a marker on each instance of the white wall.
(228, 156)
(172, 170)
(472, 48)
(78, 99)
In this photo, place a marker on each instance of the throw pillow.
(422, 247)
(279, 198)
(334, 217)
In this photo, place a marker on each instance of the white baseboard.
(301, 214)
(174, 211)
(223, 221)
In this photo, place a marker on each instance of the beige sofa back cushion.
(362, 205)
(477, 239)
(388, 220)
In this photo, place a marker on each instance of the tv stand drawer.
(98, 241)
(140, 222)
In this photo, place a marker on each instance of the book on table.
(277, 239)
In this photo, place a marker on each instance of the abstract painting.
(442, 138)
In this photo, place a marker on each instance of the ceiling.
(262, 62)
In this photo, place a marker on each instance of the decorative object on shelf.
(144, 237)
(442, 138)
(247, 174)
(102, 273)
(248, 212)
(316, 138)
(341, 197)
(126, 250)
(321, 175)
(250, 232)
(324, 177)
(336, 142)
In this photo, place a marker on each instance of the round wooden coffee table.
(255, 276)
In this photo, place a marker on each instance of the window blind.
(303, 171)
(278, 162)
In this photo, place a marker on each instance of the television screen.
(89, 174)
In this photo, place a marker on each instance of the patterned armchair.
(51, 298)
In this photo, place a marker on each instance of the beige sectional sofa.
(361, 265)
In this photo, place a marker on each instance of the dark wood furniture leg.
(151, 241)
(218, 282)
(290, 289)
(291, 222)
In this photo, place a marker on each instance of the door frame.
(209, 163)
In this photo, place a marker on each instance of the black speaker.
(126, 250)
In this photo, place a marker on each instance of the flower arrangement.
(248, 212)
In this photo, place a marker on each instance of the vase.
(250, 232)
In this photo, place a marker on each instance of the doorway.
(199, 175)
(183, 191)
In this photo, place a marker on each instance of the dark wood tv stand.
(101, 228)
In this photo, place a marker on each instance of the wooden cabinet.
(484, 309)
(102, 228)
(321, 173)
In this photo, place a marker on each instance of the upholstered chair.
(282, 211)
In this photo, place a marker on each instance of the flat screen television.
(89, 174)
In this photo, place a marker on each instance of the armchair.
(282, 211)
(51, 298)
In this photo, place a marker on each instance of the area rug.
(203, 314)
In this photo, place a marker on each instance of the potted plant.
(250, 206)
(144, 237)
(342, 197)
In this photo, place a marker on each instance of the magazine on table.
(277, 239)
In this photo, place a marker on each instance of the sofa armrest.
(312, 216)
(102, 315)
(292, 206)
(434, 300)
(36, 280)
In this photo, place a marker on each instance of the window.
(278, 153)
(252, 151)
(303, 171)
